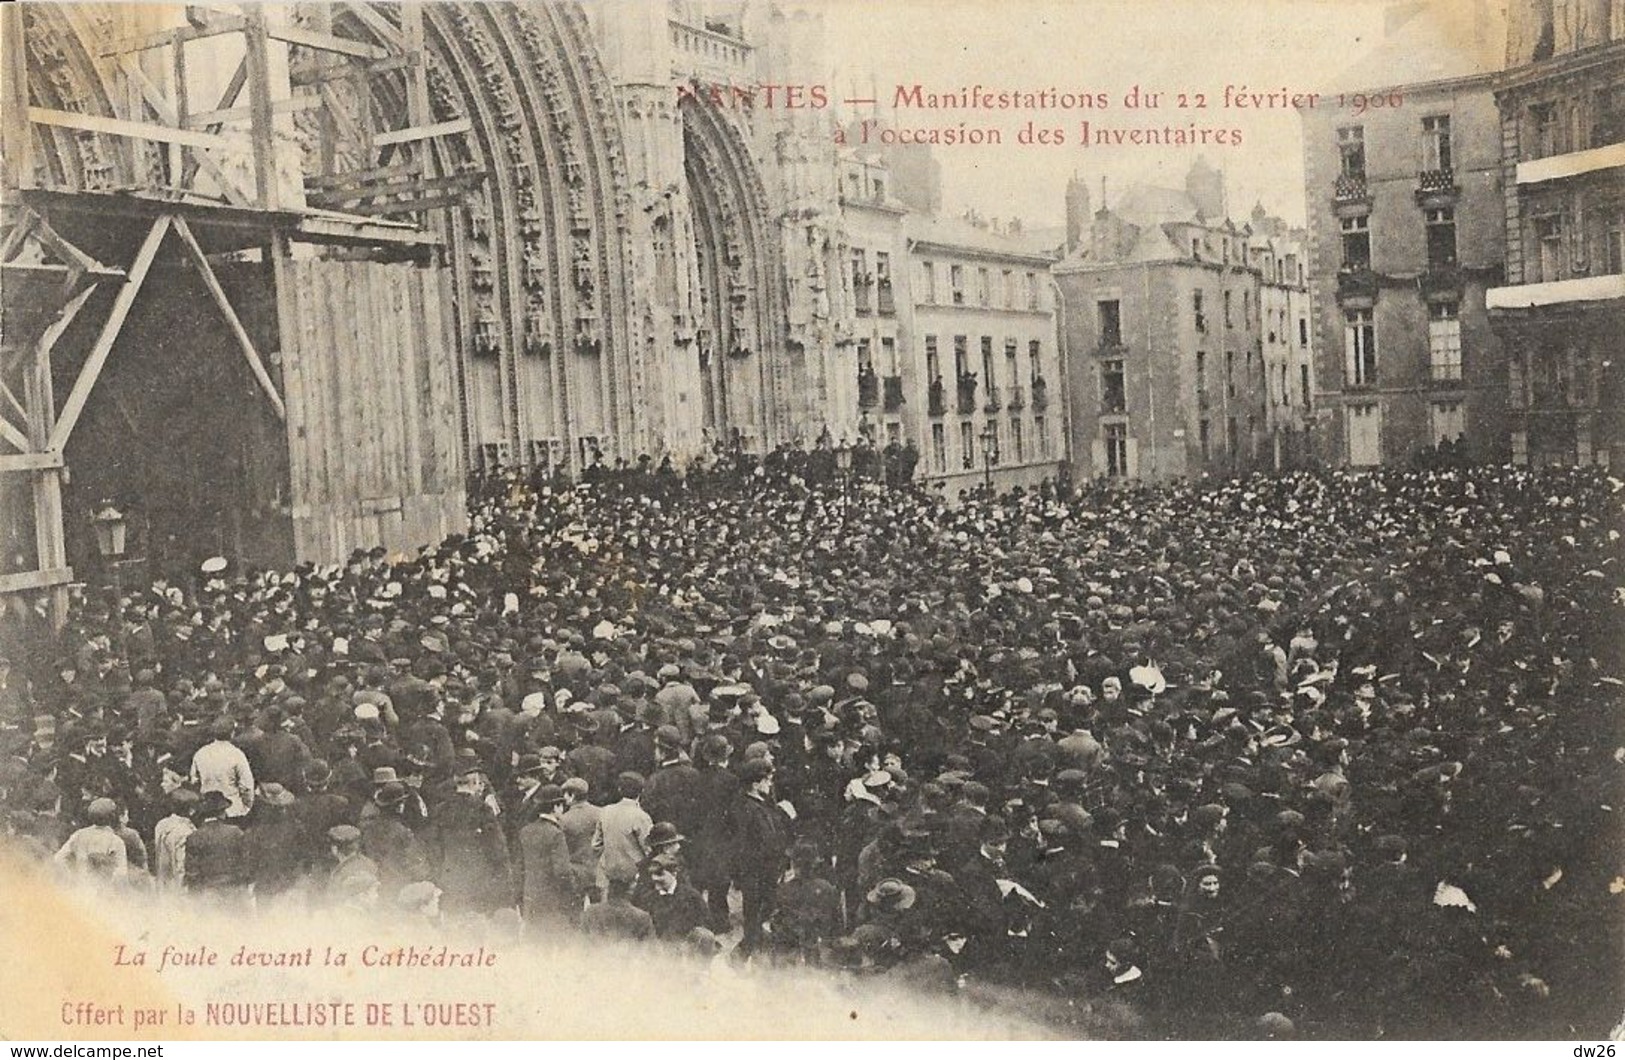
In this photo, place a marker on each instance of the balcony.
(1018, 398)
(868, 388)
(1441, 279)
(995, 399)
(1571, 164)
(936, 397)
(1350, 189)
(967, 393)
(1557, 292)
(892, 392)
(1436, 188)
(1356, 281)
(884, 302)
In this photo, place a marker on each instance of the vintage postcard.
(758, 519)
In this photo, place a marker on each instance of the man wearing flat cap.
(354, 879)
(549, 896)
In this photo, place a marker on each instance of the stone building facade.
(1561, 311)
(1405, 236)
(1173, 321)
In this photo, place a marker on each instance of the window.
(1542, 127)
(894, 433)
(933, 370)
(1359, 348)
(1204, 435)
(1549, 235)
(1246, 309)
(1012, 369)
(1436, 142)
(1441, 238)
(587, 450)
(1613, 251)
(882, 267)
(1303, 387)
(981, 287)
(880, 187)
(866, 360)
(888, 356)
(1109, 314)
(1009, 289)
(987, 361)
(1034, 363)
(967, 444)
(1201, 376)
(1196, 249)
(928, 281)
(1351, 151)
(1449, 422)
(1230, 373)
(939, 447)
(1608, 116)
(1303, 332)
(961, 357)
(1032, 290)
(860, 268)
(1356, 242)
(1113, 389)
(1227, 321)
(1197, 311)
(990, 443)
(1365, 434)
(1444, 342)
(1040, 436)
(1018, 448)
(1117, 449)
(956, 280)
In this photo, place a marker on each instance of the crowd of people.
(1330, 754)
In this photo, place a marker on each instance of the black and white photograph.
(739, 520)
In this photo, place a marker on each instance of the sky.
(1194, 46)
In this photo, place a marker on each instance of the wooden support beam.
(13, 435)
(16, 138)
(70, 254)
(218, 293)
(377, 23)
(138, 129)
(11, 399)
(165, 37)
(422, 132)
(62, 430)
(358, 177)
(23, 581)
(461, 181)
(19, 233)
(30, 461)
(327, 42)
(261, 133)
(282, 106)
(228, 98)
(387, 209)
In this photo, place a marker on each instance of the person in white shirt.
(97, 850)
(220, 765)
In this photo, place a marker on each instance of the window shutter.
(1133, 463)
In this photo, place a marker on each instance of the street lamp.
(990, 453)
(110, 527)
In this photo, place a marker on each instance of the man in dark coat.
(467, 850)
(710, 844)
(216, 859)
(673, 906)
(390, 843)
(674, 790)
(761, 834)
(548, 891)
